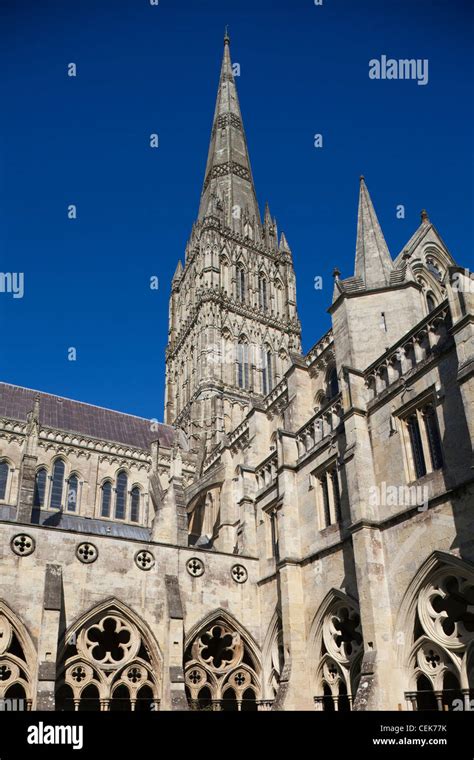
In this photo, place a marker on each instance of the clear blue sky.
(144, 69)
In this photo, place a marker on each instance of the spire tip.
(226, 35)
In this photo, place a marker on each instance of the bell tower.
(233, 320)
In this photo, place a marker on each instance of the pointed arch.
(435, 632)
(17, 657)
(335, 651)
(222, 664)
(273, 656)
(108, 648)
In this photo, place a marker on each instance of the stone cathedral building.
(298, 534)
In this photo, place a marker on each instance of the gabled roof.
(86, 419)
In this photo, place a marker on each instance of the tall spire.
(228, 182)
(373, 261)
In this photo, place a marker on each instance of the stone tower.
(233, 321)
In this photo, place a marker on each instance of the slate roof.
(78, 417)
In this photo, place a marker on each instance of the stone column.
(295, 692)
(175, 644)
(49, 637)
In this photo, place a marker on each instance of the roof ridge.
(84, 403)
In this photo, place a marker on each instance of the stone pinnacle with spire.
(228, 174)
(373, 262)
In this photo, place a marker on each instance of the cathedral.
(298, 533)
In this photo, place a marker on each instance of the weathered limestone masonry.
(299, 534)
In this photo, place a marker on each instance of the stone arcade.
(232, 558)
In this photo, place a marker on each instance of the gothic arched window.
(121, 496)
(439, 676)
(221, 669)
(416, 445)
(57, 485)
(40, 487)
(4, 470)
(339, 645)
(16, 665)
(432, 433)
(107, 663)
(243, 363)
(225, 274)
(278, 297)
(72, 493)
(106, 499)
(332, 384)
(267, 369)
(262, 292)
(135, 504)
(241, 284)
(430, 301)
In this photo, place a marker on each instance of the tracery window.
(221, 671)
(15, 670)
(277, 659)
(441, 663)
(433, 267)
(340, 646)
(108, 664)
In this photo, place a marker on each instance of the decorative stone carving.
(446, 609)
(109, 653)
(341, 633)
(220, 662)
(195, 567)
(239, 573)
(87, 552)
(22, 544)
(144, 559)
